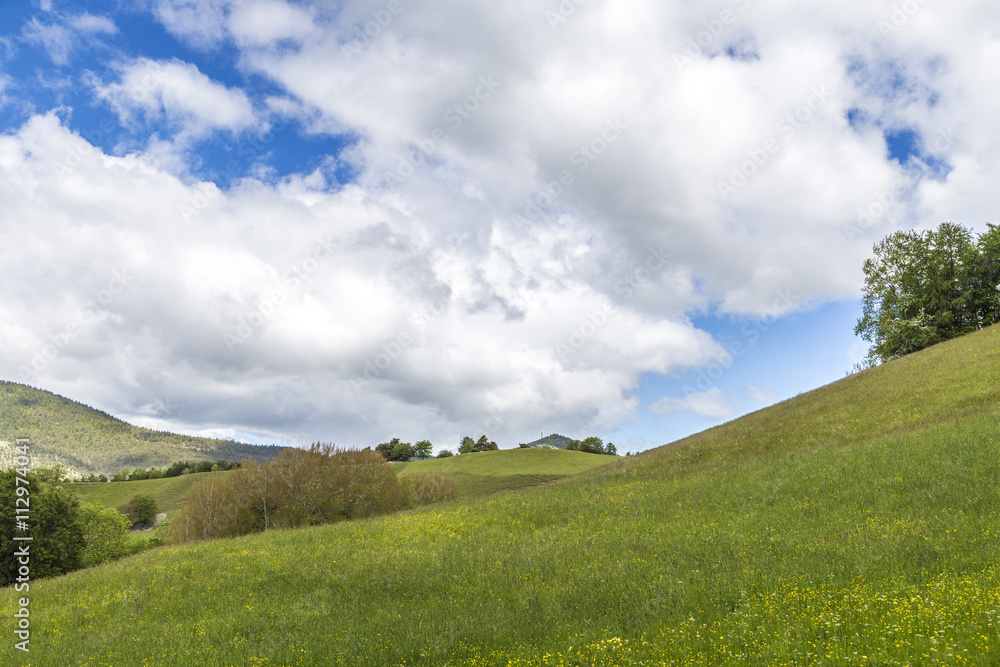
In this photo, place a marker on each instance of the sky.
(289, 222)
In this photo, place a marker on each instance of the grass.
(484, 473)
(858, 524)
(169, 493)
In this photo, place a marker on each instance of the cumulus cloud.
(346, 318)
(177, 92)
(541, 201)
(712, 403)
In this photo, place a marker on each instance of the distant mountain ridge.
(88, 441)
(554, 440)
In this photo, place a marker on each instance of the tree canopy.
(923, 288)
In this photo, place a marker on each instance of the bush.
(299, 488)
(106, 533)
(444, 453)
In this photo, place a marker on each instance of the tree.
(106, 534)
(57, 537)
(467, 446)
(140, 510)
(924, 288)
(484, 445)
(403, 451)
(444, 453)
(386, 448)
(204, 466)
(423, 449)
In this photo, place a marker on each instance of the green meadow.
(484, 473)
(858, 524)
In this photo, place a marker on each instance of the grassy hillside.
(168, 492)
(858, 524)
(88, 441)
(483, 473)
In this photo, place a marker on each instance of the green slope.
(858, 524)
(483, 473)
(87, 441)
(169, 492)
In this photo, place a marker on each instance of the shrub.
(300, 487)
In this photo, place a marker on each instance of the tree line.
(922, 288)
(303, 487)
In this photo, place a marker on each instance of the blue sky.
(351, 221)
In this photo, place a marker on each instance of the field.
(858, 524)
(484, 473)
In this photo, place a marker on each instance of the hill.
(87, 441)
(554, 440)
(483, 473)
(857, 524)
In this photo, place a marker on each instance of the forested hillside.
(87, 441)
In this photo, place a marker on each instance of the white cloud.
(61, 37)
(465, 115)
(90, 24)
(761, 395)
(178, 92)
(199, 23)
(712, 403)
(262, 22)
(296, 310)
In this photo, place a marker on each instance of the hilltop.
(554, 440)
(858, 523)
(87, 441)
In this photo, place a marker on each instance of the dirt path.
(159, 517)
